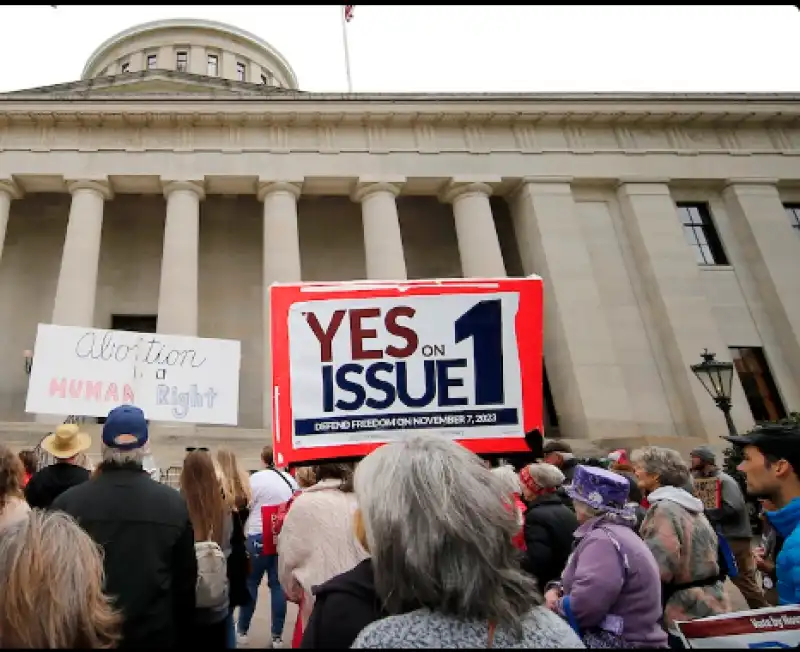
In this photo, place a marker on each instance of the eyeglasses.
(192, 449)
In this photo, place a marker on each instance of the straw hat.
(67, 441)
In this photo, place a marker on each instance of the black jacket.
(239, 562)
(549, 526)
(52, 481)
(144, 529)
(344, 606)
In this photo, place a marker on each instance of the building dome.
(192, 46)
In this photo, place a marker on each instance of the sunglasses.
(192, 449)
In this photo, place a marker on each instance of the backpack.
(272, 518)
(211, 589)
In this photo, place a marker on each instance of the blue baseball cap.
(125, 428)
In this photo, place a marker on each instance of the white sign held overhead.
(88, 371)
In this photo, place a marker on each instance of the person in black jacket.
(147, 539)
(65, 445)
(344, 605)
(549, 523)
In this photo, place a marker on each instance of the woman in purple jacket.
(610, 591)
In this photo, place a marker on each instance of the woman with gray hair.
(681, 539)
(439, 531)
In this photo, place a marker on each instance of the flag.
(348, 13)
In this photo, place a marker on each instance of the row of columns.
(580, 351)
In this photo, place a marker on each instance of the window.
(213, 65)
(181, 61)
(125, 67)
(264, 79)
(793, 213)
(152, 59)
(759, 387)
(241, 71)
(699, 231)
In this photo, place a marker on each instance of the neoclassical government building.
(186, 171)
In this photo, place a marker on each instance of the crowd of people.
(419, 544)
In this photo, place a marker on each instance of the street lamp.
(717, 378)
(28, 355)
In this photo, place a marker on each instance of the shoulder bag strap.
(282, 477)
(490, 642)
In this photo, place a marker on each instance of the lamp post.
(717, 378)
(28, 355)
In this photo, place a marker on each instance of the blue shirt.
(787, 566)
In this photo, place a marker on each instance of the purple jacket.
(600, 592)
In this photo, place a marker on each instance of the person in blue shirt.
(772, 467)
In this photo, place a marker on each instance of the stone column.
(586, 378)
(281, 261)
(177, 296)
(8, 191)
(772, 250)
(77, 279)
(678, 302)
(478, 243)
(383, 243)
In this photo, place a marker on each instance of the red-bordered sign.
(357, 364)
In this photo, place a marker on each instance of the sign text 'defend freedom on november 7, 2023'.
(371, 369)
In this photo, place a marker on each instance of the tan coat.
(317, 542)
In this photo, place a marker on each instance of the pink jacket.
(317, 542)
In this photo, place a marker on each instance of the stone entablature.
(385, 124)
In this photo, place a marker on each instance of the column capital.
(100, 186)
(544, 185)
(643, 185)
(456, 189)
(268, 187)
(11, 188)
(751, 184)
(365, 189)
(192, 186)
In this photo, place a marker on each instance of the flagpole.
(346, 50)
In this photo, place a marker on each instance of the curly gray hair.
(440, 533)
(665, 463)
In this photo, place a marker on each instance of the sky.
(483, 48)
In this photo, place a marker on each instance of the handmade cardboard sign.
(709, 490)
(359, 364)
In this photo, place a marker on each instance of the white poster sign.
(89, 371)
(772, 628)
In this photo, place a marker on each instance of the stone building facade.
(186, 171)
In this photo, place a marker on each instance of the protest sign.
(709, 490)
(771, 628)
(358, 364)
(88, 371)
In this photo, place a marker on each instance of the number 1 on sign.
(484, 324)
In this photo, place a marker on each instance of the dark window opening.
(759, 386)
(125, 67)
(793, 213)
(241, 71)
(181, 61)
(152, 60)
(700, 233)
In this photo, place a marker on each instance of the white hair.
(119, 457)
(439, 531)
(509, 478)
(547, 476)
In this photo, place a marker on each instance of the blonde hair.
(52, 577)
(305, 476)
(234, 480)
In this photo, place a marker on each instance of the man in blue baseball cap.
(144, 529)
(772, 467)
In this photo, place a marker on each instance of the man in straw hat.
(65, 445)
